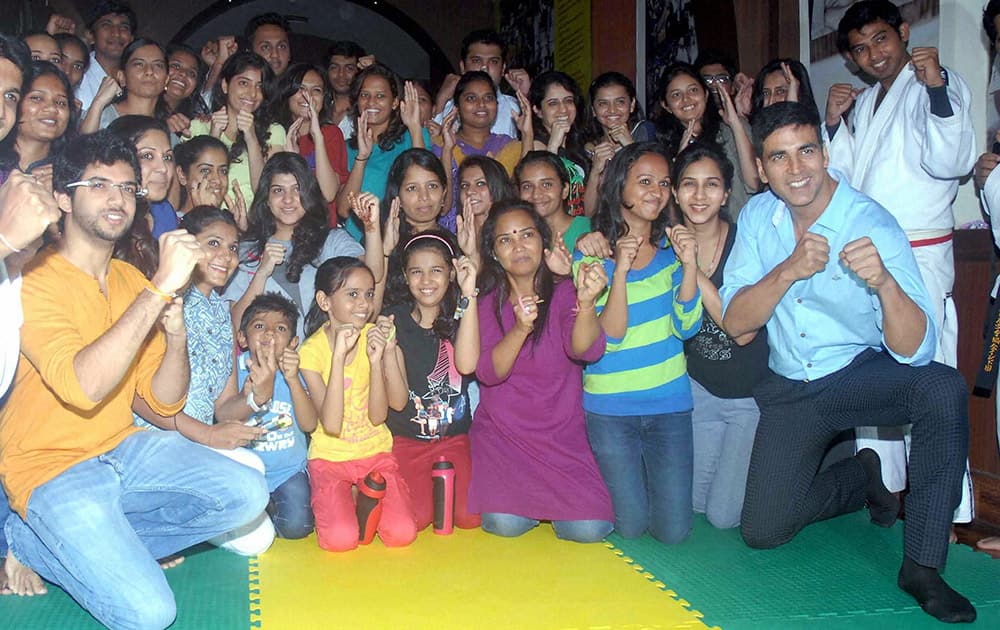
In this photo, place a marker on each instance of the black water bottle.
(369, 508)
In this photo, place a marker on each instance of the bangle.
(163, 295)
(3, 239)
(361, 159)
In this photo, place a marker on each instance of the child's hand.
(685, 244)
(345, 337)
(376, 344)
(387, 326)
(262, 367)
(591, 281)
(289, 361)
(466, 271)
(628, 249)
(558, 259)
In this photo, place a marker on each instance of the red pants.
(334, 507)
(415, 459)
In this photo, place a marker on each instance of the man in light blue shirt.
(831, 275)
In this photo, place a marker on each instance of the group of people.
(238, 287)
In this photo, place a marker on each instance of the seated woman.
(289, 239)
(557, 127)
(723, 371)
(779, 81)
(46, 122)
(476, 111)
(299, 105)
(136, 89)
(385, 126)
(530, 456)
(239, 121)
(688, 115)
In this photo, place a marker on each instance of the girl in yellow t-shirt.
(354, 371)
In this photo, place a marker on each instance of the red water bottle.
(443, 480)
(369, 508)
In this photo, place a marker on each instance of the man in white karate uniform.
(912, 139)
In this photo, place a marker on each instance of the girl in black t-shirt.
(723, 370)
(437, 327)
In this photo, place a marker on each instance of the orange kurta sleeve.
(49, 424)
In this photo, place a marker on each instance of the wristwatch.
(254, 406)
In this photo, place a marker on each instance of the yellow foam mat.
(467, 580)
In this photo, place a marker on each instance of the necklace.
(710, 269)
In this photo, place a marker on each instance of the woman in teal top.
(385, 126)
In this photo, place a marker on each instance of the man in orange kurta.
(97, 500)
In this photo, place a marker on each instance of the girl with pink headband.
(437, 328)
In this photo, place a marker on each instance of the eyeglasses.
(102, 185)
(716, 78)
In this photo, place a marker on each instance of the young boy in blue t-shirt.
(270, 361)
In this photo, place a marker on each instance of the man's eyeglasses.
(102, 185)
(716, 78)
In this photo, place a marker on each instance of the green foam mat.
(839, 573)
(210, 587)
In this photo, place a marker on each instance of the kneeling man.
(851, 340)
(97, 499)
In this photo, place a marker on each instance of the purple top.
(530, 454)
(494, 144)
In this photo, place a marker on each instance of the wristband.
(463, 304)
(254, 406)
(3, 239)
(163, 295)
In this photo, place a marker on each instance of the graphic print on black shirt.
(434, 410)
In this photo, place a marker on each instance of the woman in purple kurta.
(530, 457)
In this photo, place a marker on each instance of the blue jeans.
(97, 529)
(647, 464)
(724, 429)
(290, 509)
(4, 513)
(512, 525)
